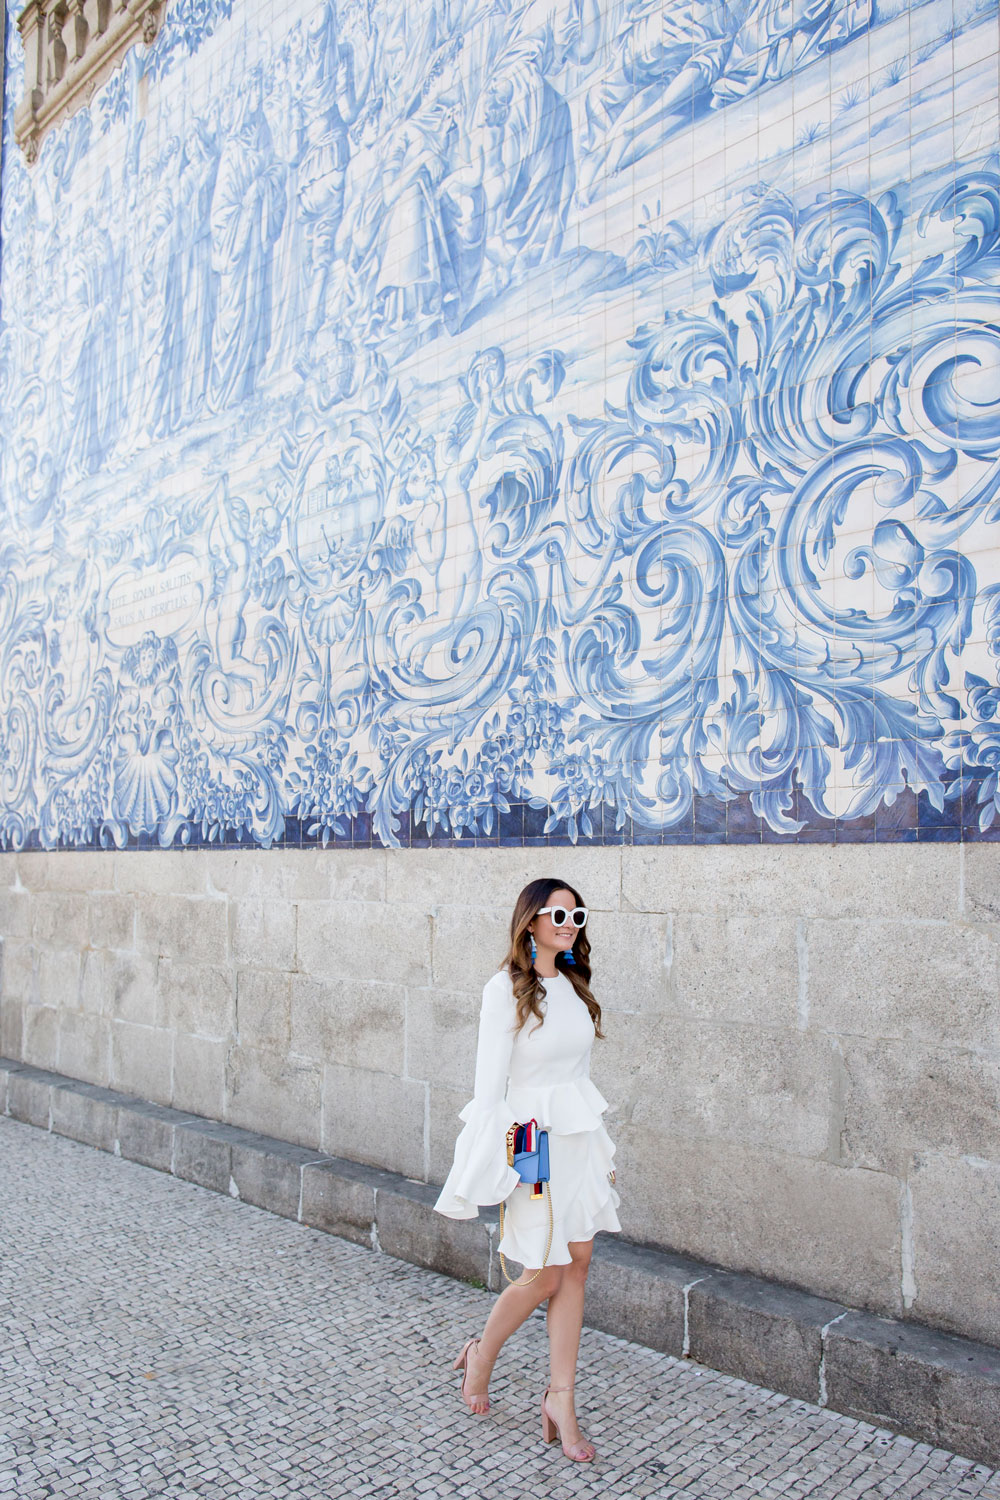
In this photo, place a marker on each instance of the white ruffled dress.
(541, 1072)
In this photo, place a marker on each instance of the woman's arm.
(480, 1173)
(496, 1041)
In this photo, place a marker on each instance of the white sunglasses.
(561, 915)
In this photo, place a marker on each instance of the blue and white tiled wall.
(507, 421)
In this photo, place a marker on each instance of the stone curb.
(934, 1387)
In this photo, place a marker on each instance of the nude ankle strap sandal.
(583, 1452)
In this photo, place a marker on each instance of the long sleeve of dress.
(480, 1173)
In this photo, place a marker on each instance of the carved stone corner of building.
(70, 48)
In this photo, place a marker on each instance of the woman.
(536, 1029)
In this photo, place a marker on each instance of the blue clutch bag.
(528, 1152)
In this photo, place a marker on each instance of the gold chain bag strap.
(511, 1136)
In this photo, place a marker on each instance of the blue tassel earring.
(534, 951)
(568, 957)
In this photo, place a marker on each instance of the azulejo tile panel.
(494, 420)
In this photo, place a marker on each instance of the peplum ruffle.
(564, 1108)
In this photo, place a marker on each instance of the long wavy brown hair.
(528, 988)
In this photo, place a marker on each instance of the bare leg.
(515, 1303)
(565, 1320)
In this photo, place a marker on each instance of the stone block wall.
(802, 1055)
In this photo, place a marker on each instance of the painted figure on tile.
(165, 317)
(332, 97)
(196, 190)
(775, 36)
(537, 152)
(363, 212)
(420, 527)
(248, 207)
(414, 285)
(87, 349)
(511, 198)
(246, 582)
(665, 59)
(288, 124)
(70, 633)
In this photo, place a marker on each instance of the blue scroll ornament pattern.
(337, 670)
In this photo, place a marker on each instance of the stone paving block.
(751, 1084)
(643, 982)
(11, 1026)
(263, 932)
(969, 1407)
(263, 1009)
(199, 1076)
(112, 921)
(28, 1099)
(84, 1045)
(308, 875)
(95, 973)
(899, 1098)
(16, 913)
(374, 1117)
(336, 940)
(203, 1154)
(130, 987)
(441, 1037)
(271, 1086)
(20, 963)
(408, 1227)
(494, 877)
(339, 1204)
(61, 919)
(179, 926)
(445, 1105)
(887, 880)
(86, 1113)
(982, 883)
(638, 1293)
(936, 984)
(68, 870)
(354, 1023)
(195, 998)
(717, 1200)
(146, 1135)
(932, 1385)
(41, 1035)
(59, 974)
(142, 1060)
(742, 1325)
(459, 928)
(6, 1071)
(269, 1173)
(956, 1242)
(735, 968)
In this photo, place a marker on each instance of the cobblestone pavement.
(157, 1339)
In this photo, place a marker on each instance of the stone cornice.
(70, 48)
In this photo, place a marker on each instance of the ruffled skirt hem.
(584, 1201)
